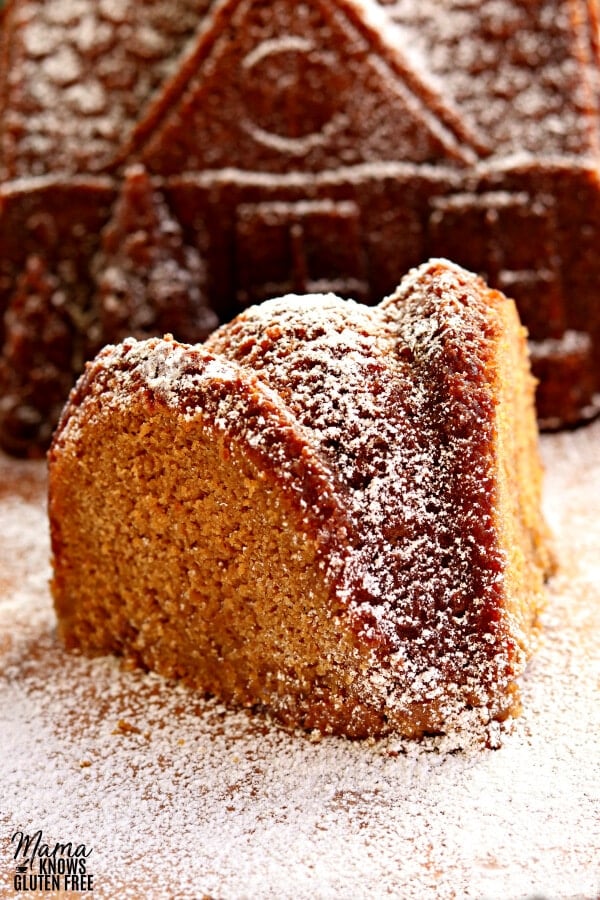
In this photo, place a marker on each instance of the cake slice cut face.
(328, 511)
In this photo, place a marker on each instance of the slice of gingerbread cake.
(329, 511)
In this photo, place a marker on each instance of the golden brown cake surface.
(329, 510)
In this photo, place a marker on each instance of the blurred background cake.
(165, 164)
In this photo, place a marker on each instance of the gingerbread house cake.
(165, 164)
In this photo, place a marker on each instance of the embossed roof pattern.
(76, 76)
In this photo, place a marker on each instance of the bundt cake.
(256, 149)
(329, 510)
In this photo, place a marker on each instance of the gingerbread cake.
(329, 510)
(284, 147)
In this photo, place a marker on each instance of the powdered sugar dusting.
(360, 383)
(80, 72)
(179, 797)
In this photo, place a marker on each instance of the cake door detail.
(302, 247)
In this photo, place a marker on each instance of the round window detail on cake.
(290, 90)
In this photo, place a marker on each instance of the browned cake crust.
(240, 150)
(330, 511)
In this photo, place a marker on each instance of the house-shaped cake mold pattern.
(235, 150)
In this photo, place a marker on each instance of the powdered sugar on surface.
(180, 798)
